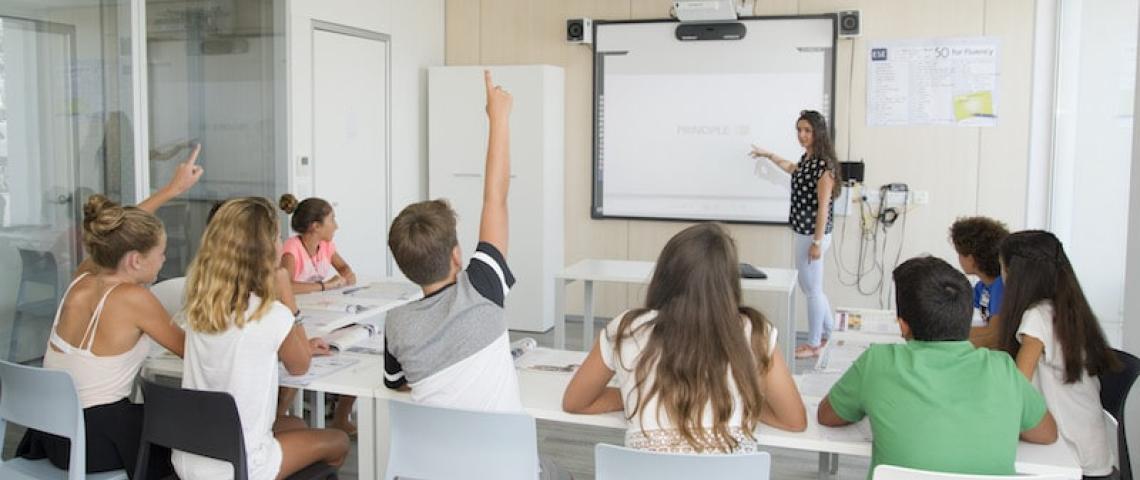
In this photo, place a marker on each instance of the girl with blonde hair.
(239, 331)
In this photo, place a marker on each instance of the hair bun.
(102, 216)
(288, 203)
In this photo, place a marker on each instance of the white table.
(361, 380)
(380, 295)
(542, 398)
(780, 280)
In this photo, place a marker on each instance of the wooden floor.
(572, 446)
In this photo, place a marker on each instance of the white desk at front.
(780, 280)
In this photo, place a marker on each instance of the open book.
(345, 338)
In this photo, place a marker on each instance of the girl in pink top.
(312, 262)
(310, 257)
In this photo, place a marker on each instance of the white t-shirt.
(242, 362)
(1075, 406)
(650, 430)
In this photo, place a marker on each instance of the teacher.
(815, 183)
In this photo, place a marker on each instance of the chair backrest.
(435, 442)
(1114, 388)
(45, 400)
(891, 472)
(612, 462)
(194, 421)
(170, 293)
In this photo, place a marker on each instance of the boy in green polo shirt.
(936, 402)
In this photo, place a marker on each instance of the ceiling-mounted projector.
(704, 10)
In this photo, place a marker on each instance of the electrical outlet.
(896, 198)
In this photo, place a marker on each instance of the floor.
(572, 446)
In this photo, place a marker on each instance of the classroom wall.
(966, 171)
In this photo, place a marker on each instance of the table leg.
(560, 313)
(790, 331)
(318, 409)
(588, 316)
(378, 454)
(834, 464)
(824, 465)
(371, 438)
(299, 403)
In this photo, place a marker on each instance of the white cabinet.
(457, 149)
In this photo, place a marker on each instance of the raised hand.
(499, 101)
(187, 173)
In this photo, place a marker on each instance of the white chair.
(891, 472)
(45, 400)
(443, 443)
(170, 294)
(612, 462)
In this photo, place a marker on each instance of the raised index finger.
(194, 154)
(487, 80)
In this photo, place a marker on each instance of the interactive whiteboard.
(674, 120)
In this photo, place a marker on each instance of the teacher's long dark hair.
(1037, 269)
(822, 147)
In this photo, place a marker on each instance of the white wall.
(966, 171)
(416, 31)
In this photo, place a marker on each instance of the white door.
(350, 141)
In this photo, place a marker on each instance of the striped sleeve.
(489, 273)
(393, 372)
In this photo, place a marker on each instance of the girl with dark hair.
(696, 369)
(815, 184)
(1053, 334)
(310, 256)
(313, 264)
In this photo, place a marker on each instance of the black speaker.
(578, 30)
(850, 24)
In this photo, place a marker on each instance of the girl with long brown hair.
(816, 182)
(1050, 330)
(695, 368)
(239, 331)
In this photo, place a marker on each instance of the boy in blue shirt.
(976, 240)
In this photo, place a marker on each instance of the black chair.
(1114, 388)
(203, 423)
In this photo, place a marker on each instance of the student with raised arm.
(697, 371)
(936, 402)
(451, 347)
(239, 333)
(105, 322)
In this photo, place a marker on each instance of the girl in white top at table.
(104, 325)
(238, 334)
(1058, 343)
(695, 368)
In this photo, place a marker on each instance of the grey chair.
(45, 400)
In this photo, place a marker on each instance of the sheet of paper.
(816, 384)
(318, 368)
